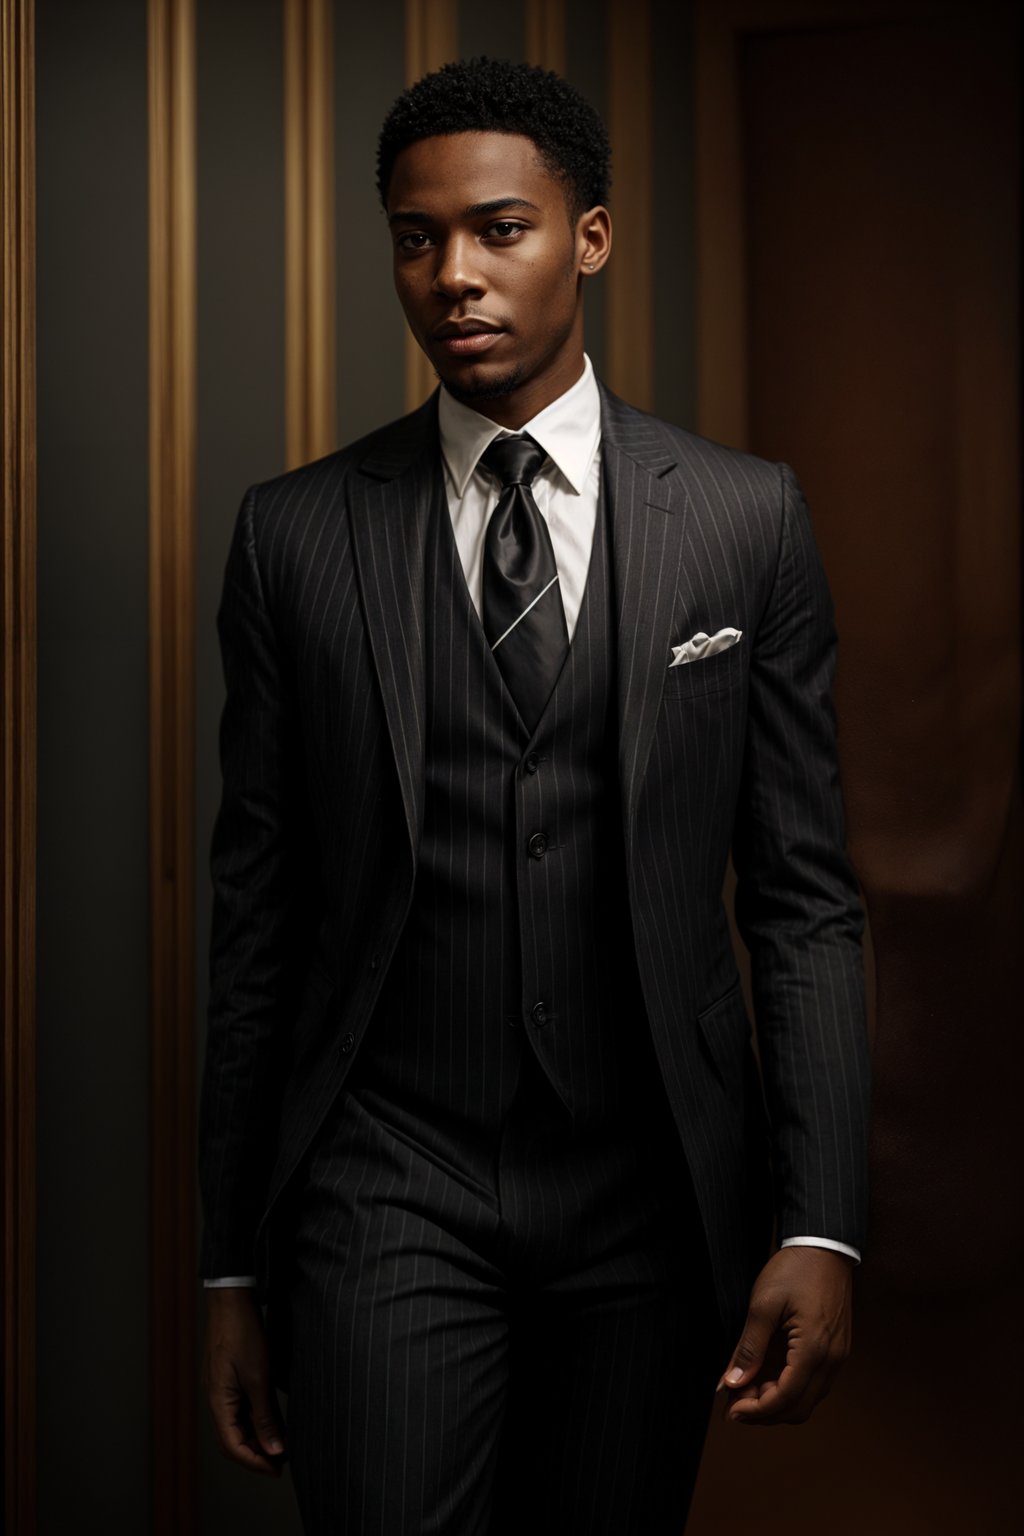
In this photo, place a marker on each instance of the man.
(505, 683)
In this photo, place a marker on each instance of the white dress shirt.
(566, 489)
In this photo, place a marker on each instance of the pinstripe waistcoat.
(316, 845)
(518, 936)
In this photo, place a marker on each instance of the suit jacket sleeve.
(264, 913)
(797, 904)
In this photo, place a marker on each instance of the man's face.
(487, 268)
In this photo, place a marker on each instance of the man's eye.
(415, 240)
(506, 229)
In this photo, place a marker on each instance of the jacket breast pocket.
(697, 679)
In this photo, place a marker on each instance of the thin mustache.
(461, 325)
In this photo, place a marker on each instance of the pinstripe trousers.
(529, 1340)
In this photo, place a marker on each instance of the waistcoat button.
(540, 1013)
(347, 1044)
(538, 845)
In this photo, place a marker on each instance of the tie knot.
(515, 460)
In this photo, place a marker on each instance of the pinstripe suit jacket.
(314, 850)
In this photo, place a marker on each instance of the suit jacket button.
(532, 763)
(347, 1044)
(539, 1014)
(538, 845)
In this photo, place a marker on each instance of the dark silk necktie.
(523, 616)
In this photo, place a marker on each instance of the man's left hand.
(796, 1337)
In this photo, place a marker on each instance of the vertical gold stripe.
(431, 39)
(294, 233)
(631, 270)
(172, 388)
(310, 384)
(18, 756)
(545, 34)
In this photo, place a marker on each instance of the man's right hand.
(236, 1373)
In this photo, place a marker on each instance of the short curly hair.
(485, 95)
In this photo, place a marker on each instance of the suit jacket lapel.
(647, 504)
(390, 498)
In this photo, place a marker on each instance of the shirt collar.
(569, 431)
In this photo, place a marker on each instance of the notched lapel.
(390, 499)
(647, 505)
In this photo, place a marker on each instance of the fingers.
(237, 1443)
(239, 1389)
(260, 1450)
(749, 1355)
(796, 1336)
(790, 1398)
(264, 1416)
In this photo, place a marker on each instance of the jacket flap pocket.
(725, 1031)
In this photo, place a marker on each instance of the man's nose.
(458, 271)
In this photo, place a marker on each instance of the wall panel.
(240, 381)
(18, 762)
(494, 27)
(369, 66)
(93, 879)
(673, 232)
(309, 265)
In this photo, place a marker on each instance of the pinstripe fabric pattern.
(314, 854)
(519, 903)
(486, 1181)
(475, 1356)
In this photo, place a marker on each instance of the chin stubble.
(491, 391)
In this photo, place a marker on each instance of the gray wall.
(240, 403)
(93, 882)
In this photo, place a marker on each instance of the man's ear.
(593, 240)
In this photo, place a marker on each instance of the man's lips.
(459, 337)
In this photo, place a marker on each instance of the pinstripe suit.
(316, 848)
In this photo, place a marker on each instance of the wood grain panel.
(545, 34)
(18, 759)
(310, 372)
(172, 438)
(719, 29)
(630, 273)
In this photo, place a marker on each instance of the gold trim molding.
(431, 39)
(18, 757)
(545, 34)
(630, 280)
(172, 497)
(310, 382)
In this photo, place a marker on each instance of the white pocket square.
(702, 646)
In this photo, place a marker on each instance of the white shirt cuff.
(223, 1281)
(822, 1242)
